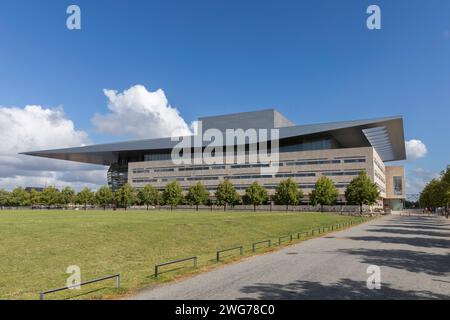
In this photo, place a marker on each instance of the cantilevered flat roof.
(386, 135)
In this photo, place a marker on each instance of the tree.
(445, 179)
(362, 190)
(104, 197)
(433, 195)
(197, 195)
(35, 197)
(85, 197)
(50, 197)
(324, 193)
(287, 193)
(172, 194)
(125, 196)
(4, 198)
(67, 196)
(19, 197)
(256, 195)
(226, 194)
(148, 196)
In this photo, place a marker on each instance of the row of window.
(249, 176)
(380, 177)
(341, 173)
(378, 164)
(307, 145)
(268, 187)
(380, 187)
(244, 166)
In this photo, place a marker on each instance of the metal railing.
(117, 276)
(173, 262)
(269, 242)
(284, 237)
(241, 251)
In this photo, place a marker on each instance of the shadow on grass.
(344, 289)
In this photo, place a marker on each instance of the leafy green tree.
(4, 198)
(50, 197)
(19, 197)
(104, 197)
(148, 196)
(125, 196)
(287, 193)
(324, 193)
(197, 195)
(256, 195)
(362, 191)
(433, 195)
(85, 197)
(172, 195)
(35, 197)
(226, 194)
(67, 196)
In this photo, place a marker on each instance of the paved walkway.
(412, 252)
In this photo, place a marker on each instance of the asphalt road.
(413, 254)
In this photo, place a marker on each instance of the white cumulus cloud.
(37, 128)
(415, 149)
(140, 113)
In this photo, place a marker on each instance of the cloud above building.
(415, 149)
(139, 113)
(38, 128)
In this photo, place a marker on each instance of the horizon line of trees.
(361, 191)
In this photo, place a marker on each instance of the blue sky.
(315, 61)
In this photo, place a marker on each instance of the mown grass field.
(36, 247)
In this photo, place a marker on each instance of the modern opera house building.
(338, 150)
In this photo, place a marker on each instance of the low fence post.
(241, 251)
(172, 262)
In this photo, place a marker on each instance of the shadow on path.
(412, 261)
(344, 289)
(411, 232)
(416, 241)
(416, 227)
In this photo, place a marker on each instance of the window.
(398, 186)
(165, 170)
(354, 160)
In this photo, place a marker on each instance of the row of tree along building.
(361, 191)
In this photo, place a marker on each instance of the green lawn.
(38, 246)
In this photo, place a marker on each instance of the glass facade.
(117, 176)
(398, 185)
(309, 145)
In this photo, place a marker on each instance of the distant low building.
(38, 189)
